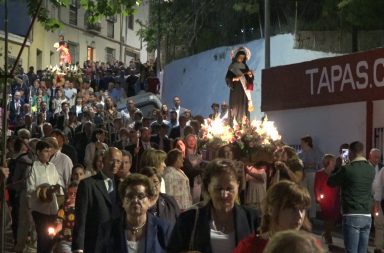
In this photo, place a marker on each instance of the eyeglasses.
(156, 182)
(134, 196)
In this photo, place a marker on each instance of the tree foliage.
(192, 26)
(95, 8)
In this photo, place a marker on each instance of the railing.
(94, 27)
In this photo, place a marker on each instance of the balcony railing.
(94, 27)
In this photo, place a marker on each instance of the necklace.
(223, 228)
(135, 230)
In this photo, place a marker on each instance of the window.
(131, 20)
(74, 51)
(90, 53)
(110, 29)
(54, 11)
(73, 12)
(110, 54)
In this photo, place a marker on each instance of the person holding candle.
(65, 221)
(327, 197)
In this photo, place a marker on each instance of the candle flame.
(51, 231)
(263, 130)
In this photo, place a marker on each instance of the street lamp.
(158, 67)
(267, 41)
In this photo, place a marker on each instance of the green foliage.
(248, 7)
(43, 16)
(198, 25)
(96, 9)
(148, 34)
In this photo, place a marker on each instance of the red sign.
(343, 79)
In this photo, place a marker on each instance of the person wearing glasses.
(137, 230)
(220, 224)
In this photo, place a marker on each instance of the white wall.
(378, 113)
(199, 79)
(329, 126)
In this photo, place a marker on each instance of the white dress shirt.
(63, 166)
(42, 174)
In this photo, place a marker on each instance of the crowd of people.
(87, 177)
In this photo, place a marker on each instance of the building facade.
(113, 38)
(336, 100)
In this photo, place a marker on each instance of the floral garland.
(250, 136)
(57, 74)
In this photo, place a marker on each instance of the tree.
(96, 9)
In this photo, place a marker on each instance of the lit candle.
(321, 196)
(51, 231)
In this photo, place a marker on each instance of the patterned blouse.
(66, 215)
(177, 186)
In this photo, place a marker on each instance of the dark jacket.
(155, 141)
(175, 132)
(113, 240)
(355, 180)
(94, 206)
(19, 172)
(13, 112)
(246, 222)
(70, 151)
(166, 208)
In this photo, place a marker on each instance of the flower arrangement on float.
(56, 74)
(257, 139)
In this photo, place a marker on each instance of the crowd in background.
(146, 181)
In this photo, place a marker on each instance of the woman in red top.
(284, 208)
(327, 197)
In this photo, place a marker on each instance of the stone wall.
(338, 41)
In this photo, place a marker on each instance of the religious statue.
(64, 54)
(239, 79)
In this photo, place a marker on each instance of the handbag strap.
(192, 239)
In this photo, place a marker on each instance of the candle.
(51, 231)
(321, 196)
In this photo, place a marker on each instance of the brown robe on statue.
(238, 102)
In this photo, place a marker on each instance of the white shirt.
(42, 174)
(146, 145)
(378, 185)
(63, 166)
(222, 243)
(79, 109)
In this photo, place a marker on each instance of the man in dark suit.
(16, 106)
(177, 107)
(97, 202)
(178, 131)
(48, 116)
(137, 148)
(161, 140)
